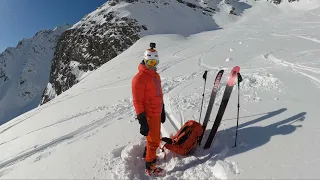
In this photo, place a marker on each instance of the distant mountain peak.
(25, 71)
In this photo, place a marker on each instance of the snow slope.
(24, 72)
(89, 131)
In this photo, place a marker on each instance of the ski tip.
(233, 75)
(236, 68)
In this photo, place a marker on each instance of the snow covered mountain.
(89, 130)
(24, 72)
(116, 25)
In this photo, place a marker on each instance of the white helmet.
(151, 54)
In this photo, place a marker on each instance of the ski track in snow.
(170, 84)
(310, 39)
(56, 101)
(12, 124)
(180, 104)
(302, 54)
(113, 108)
(296, 68)
(120, 109)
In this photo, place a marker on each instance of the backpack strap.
(165, 155)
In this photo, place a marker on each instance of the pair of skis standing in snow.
(233, 76)
(149, 107)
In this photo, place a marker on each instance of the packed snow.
(90, 130)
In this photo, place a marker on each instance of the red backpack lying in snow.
(184, 142)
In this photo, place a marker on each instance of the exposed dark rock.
(91, 49)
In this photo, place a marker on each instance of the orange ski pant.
(153, 138)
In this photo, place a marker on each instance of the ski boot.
(152, 170)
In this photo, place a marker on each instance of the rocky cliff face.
(25, 71)
(115, 26)
(85, 50)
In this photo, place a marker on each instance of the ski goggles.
(152, 62)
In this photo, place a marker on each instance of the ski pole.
(204, 88)
(239, 80)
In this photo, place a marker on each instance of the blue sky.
(23, 18)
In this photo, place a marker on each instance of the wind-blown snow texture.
(24, 72)
(89, 131)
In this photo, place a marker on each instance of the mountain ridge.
(24, 72)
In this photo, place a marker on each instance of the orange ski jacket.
(147, 92)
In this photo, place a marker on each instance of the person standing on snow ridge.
(149, 106)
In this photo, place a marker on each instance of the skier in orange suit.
(149, 106)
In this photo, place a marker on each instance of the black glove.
(167, 140)
(163, 115)
(144, 127)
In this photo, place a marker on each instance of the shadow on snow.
(248, 138)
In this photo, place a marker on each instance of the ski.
(211, 101)
(225, 99)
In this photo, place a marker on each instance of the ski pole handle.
(239, 77)
(205, 75)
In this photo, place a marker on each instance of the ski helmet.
(151, 57)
